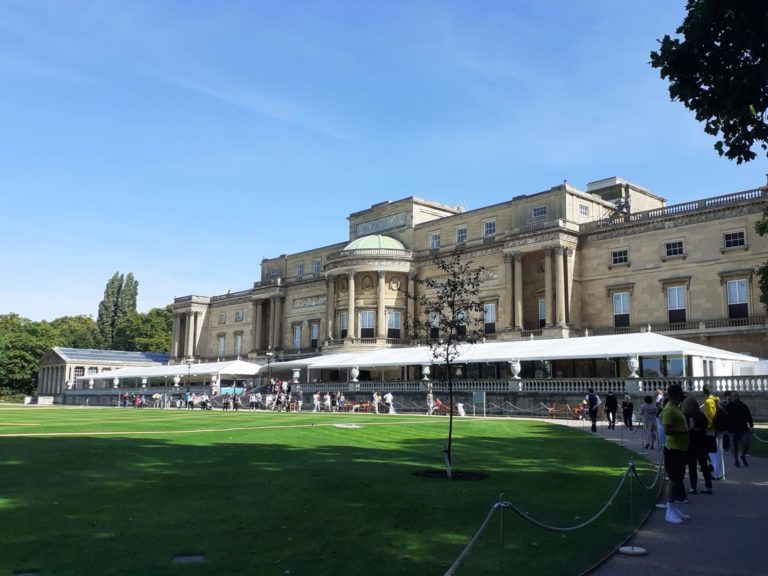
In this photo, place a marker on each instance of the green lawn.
(123, 491)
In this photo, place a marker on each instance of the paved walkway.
(726, 535)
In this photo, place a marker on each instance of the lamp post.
(189, 361)
(269, 354)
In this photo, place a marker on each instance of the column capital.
(510, 257)
(382, 274)
(351, 274)
(569, 251)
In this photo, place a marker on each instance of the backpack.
(720, 420)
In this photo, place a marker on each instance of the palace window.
(300, 269)
(620, 309)
(393, 324)
(539, 211)
(461, 235)
(297, 336)
(674, 248)
(434, 240)
(93, 370)
(738, 303)
(79, 371)
(343, 324)
(273, 271)
(734, 239)
(584, 210)
(317, 265)
(314, 330)
(367, 324)
(619, 257)
(542, 312)
(489, 228)
(238, 315)
(461, 322)
(434, 325)
(238, 344)
(489, 317)
(222, 317)
(221, 346)
(676, 304)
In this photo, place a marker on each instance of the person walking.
(741, 424)
(648, 414)
(430, 403)
(675, 452)
(299, 397)
(375, 402)
(389, 402)
(593, 402)
(627, 411)
(611, 406)
(710, 409)
(697, 446)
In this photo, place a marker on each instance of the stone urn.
(354, 373)
(514, 366)
(296, 372)
(425, 370)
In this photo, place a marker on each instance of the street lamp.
(269, 354)
(190, 360)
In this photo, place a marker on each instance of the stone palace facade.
(560, 263)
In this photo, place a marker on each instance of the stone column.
(547, 287)
(175, 337)
(271, 325)
(198, 330)
(330, 306)
(509, 297)
(560, 277)
(410, 303)
(519, 291)
(381, 317)
(258, 311)
(279, 322)
(351, 306)
(569, 258)
(190, 334)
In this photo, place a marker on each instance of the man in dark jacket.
(740, 425)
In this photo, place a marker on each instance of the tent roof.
(613, 346)
(232, 368)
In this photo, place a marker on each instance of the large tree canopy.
(719, 70)
(119, 302)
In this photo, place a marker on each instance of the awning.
(232, 368)
(648, 344)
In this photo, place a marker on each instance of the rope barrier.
(501, 504)
(756, 437)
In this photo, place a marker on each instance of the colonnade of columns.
(50, 379)
(554, 288)
(184, 343)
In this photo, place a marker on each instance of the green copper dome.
(375, 241)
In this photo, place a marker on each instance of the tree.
(119, 302)
(719, 70)
(449, 314)
(78, 331)
(150, 332)
(22, 345)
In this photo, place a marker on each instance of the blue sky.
(184, 141)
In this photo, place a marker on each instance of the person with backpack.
(717, 424)
(593, 401)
